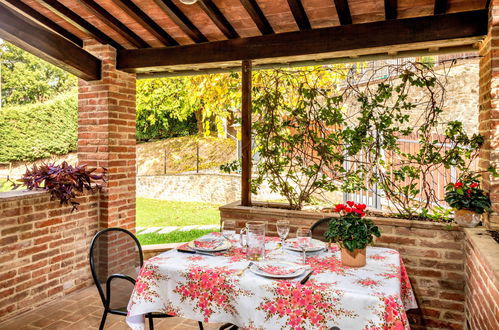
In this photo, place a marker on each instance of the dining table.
(220, 288)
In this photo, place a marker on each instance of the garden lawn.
(160, 213)
(5, 185)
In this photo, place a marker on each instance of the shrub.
(35, 131)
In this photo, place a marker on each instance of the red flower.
(348, 209)
(458, 185)
(340, 207)
(469, 192)
(350, 203)
(361, 207)
(474, 185)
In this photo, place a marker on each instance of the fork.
(241, 272)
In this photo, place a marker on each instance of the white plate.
(225, 245)
(316, 245)
(255, 268)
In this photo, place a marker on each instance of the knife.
(305, 279)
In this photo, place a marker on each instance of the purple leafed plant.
(64, 182)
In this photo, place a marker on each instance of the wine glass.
(282, 230)
(229, 229)
(304, 236)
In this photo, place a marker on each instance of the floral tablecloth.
(208, 289)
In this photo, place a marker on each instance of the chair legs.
(103, 320)
(200, 325)
(151, 323)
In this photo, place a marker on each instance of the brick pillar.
(106, 136)
(489, 110)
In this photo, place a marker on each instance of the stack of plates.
(315, 245)
(210, 244)
(278, 269)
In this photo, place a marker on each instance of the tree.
(28, 79)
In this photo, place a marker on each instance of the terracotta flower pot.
(357, 258)
(467, 218)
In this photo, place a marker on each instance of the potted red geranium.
(468, 200)
(353, 233)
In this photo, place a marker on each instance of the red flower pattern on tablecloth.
(146, 283)
(328, 263)
(400, 273)
(278, 270)
(393, 315)
(306, 306)
(195, 258)
(377, 257)
(212, 290)
(367, 282)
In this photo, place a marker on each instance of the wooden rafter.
(25, 10)
(179, 18)
(439, 28)
(390, 9)
(114, 23)
(257, 16)
(146, 22)
(24, 33)
(218, 18)
(343, 10)
(299, 14)
(440, 7)
(78, 22)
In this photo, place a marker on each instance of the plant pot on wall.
(357, 258)
(467, 218)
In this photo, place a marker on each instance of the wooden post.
(246, 134)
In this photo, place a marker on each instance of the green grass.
(159, 213)
(173, 237)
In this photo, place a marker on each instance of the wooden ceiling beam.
(146, 22)
(343, 10)
(25, 34)
(299, 14)
(179, 18)
(25, 10)
(440, 7)
(346, 38)
(218, 18)
(77, 21)
(257, 16)
(390, 9)
(114, 23)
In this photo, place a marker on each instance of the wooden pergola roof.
(169, 37)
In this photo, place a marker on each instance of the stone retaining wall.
(432, 252)
(43, 248)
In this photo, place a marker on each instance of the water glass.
(252, 237)
(229, 229)
(304, 236)
(282, 230)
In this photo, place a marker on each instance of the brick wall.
(489, 110)
(482, 280)
(432, 252)
(106, 136)
(43, 248)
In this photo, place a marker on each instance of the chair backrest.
(320, 227)
(115, 251)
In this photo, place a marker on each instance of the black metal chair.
(320, 227)
(116, 255)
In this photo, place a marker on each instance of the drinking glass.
(252, 237)
(229, 229)
(282, 230)
(304, 236)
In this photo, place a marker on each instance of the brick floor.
(83, 310)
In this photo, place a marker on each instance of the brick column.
(489, 110)
(106, 136)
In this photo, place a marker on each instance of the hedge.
(35, 131)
